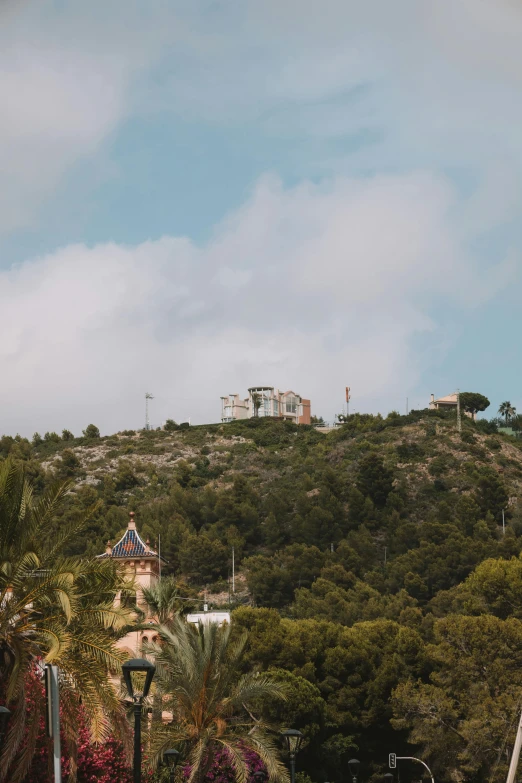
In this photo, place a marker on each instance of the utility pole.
(459, 420)
(407, 406)
(516, 754)
(53, 717)
(347, 401)
(147, 398)
(233, 572)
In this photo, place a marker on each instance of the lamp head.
(353, 766)
(170, 757)
(138, 666)
(5, 714)
(293, 740)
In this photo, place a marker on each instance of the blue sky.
(197, 198)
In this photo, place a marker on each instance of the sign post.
(52, 717)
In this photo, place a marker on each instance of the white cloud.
(307, 288)
(435, 84)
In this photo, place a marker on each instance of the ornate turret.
(131, 546)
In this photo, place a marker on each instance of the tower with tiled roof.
(143, 565)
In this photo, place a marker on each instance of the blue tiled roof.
(131, 545)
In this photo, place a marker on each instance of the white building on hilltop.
(266, 401)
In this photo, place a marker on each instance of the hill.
(376, 576)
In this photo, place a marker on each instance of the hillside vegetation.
(375, 577)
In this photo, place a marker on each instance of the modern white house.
(266, 401)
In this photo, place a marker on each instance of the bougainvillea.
(104, 763)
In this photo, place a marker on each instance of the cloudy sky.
(197, 197)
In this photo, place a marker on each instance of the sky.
(198, 197)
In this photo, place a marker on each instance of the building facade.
(266, 401)
(448, 403)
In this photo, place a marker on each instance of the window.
(291, 405)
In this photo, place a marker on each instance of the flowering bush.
(222, 771)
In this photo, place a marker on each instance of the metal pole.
(516, 754)
(137, 742)
(412, 758)
(55, 723)
(233, 571)
(292, 768)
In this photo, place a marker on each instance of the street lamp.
(138, 666)
(388, 778)
(293, 739)
(170, 758)
(353, 766)
(5, 714)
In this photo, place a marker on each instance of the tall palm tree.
(256, 403)
(507, 410)
(212, 704)
(53, 609)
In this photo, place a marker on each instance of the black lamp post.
(293, 739)
(138, 666)
(353, 766)
(388, 778)
(170, 758)
(5, 714)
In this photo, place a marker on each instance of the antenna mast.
(147, 398)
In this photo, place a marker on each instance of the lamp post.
(353, 766)
(5, 714)
(170, 759)
(388, 778)
(293, 739)
(138, 666)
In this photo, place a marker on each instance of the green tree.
(507, 410)
(57, 609)
(170, 425)
(493, 496)
(473, 402)
(202, 559)
(464, 716)
(67, 435)
(374, 479)
(91, 431)
(69, 465)
(51, 437)
(256, 403)
(212, 703)
(37, 439)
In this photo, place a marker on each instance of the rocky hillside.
(403, 503)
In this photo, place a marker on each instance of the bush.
(91, 431)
